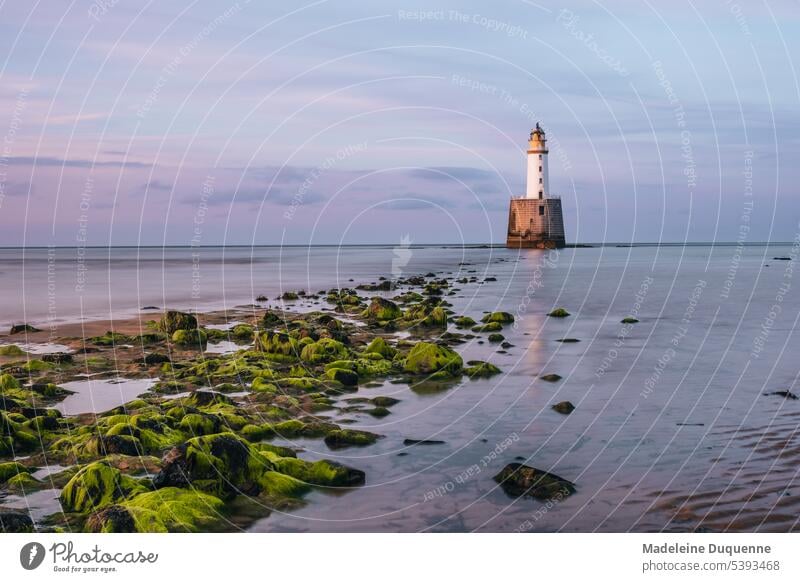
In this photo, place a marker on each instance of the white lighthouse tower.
(535, 220)
(538, 186)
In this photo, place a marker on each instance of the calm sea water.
(672, 428)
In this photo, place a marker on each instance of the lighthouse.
(537, 186)
(535, 220)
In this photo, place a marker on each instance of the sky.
(330, 122)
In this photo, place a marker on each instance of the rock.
(173, 510)
(323, 473)
(10, 470)
(57, 358)
(273, 342)
(785, 393)
(11, 350)
(324, 350)
(379, 346)
(154, 359)
(551, 377)
(113, 519)
(95, 486)
(498, 317)
(193, 338)
(22, 328)
(379, 412)
(344, 377)
(412, 442)
(517, 479)
(488, 327)
(564, 407)
(568, 340)
(384, 401)
(559, 312)
(224, 464)
(382, 310)
(343, 438)
(173, 321)
(464, 321)
(15, 522)
(496, 338)
(629, 320)
(290, 296)
(478, 369)
(430, 358)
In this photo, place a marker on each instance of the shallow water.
(100, 395)
(38, 504)
(671, 431)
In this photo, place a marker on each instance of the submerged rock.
(479, 369)
(498, 317)
(343, 438)
(564, 407)
(551, 377)
(559, 312)
(382, 309)
(517, 480)
(785, 393)
(629, 320)
(411, 442)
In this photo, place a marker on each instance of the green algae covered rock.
(272, 342)
(325, 473)
(464, 321)
(630, 320)
(164, 510)
(8, 383)
(11, 350)
(430, 358)
(382, 310)
(517, 480)
(436, 318)
(324, 350)
(221, 464)
(498, 317)
(343, 376)
(173, 321)
(496, 338)
(97, 485)
(190, 337)
(488, 327)
(559, 312)
(276, 485)
(478, 369)
(10, 470)
(343, 438)
(379, 346)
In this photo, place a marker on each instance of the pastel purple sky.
(341, 122)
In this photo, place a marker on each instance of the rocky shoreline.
(194, 452)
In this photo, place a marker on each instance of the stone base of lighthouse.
(535, 224)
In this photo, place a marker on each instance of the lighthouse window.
(540, 156)
(541, 209)
(540, 168)
(540, 180)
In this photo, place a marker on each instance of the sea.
(683, 421)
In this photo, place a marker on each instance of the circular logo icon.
(31, 555)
